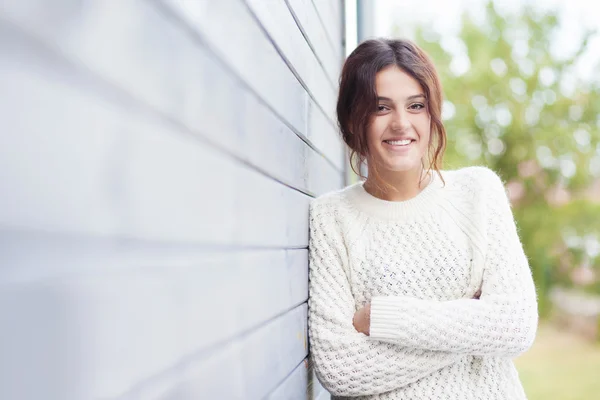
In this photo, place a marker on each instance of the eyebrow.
(415, 96)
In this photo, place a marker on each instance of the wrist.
(368, 319)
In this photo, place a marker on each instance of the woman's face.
(398, 132)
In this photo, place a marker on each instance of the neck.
(404, 185)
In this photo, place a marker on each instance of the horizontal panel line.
(329, 38)
(305, 360)
(199, 37)
(285, 59)
(308, 41)
(29, 246)
(215, 347)
(204, 353)
(290, 65)
(114, 92)
(135, 242)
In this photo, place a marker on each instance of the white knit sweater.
(420, 262)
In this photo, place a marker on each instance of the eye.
(382, 109)
(417, 106)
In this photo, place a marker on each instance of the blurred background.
(157, 159)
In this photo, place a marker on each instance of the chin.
(398, 164)
(403, 166)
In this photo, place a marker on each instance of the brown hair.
(357, 99)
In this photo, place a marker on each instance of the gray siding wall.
(157, 159)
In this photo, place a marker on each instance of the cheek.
(424, 128)
(375, 130)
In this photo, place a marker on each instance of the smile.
(404, 142)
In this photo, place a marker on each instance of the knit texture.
(420, 262)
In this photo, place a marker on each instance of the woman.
(419, 286)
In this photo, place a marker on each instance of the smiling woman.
(390, 91)
(419, 286)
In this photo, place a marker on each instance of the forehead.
(394, 83)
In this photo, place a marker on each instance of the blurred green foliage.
(512, 105)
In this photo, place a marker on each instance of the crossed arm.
(502, 323)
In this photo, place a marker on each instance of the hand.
(362, 319)
(477, 295)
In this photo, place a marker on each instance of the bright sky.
(444, 16)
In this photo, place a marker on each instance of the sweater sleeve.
(502, 322)
(346, 362)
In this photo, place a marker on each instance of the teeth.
(399, 142)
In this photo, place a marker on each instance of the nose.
(400, 120)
